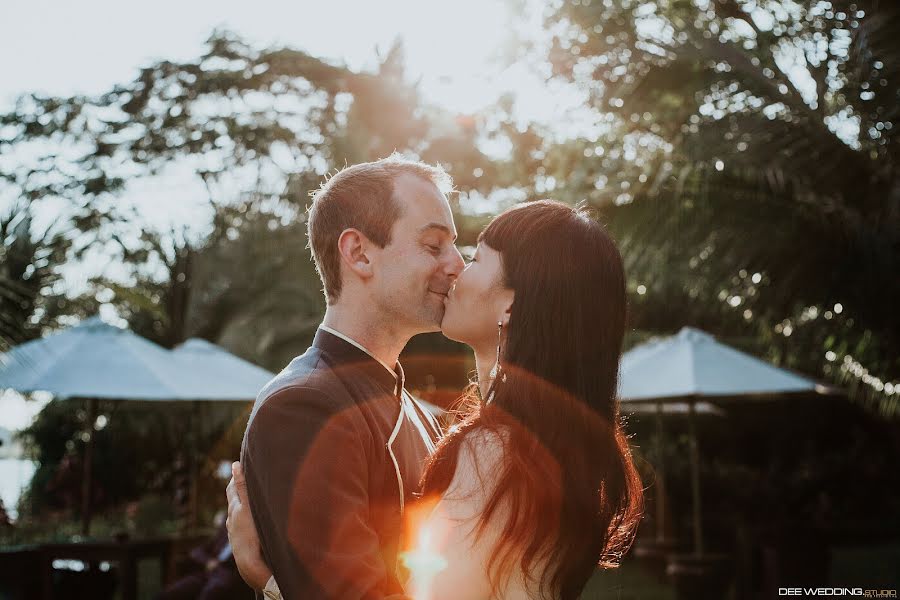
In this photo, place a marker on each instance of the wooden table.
(126, 554)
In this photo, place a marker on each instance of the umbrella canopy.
(690, 366)
(229, 377)
(97, 360)
(693, 364)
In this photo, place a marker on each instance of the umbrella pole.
(86, 507)
(661, 479)
(192, 516)
(695, 480)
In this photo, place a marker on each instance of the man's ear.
(353, 247)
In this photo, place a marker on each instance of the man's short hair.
(360, 197)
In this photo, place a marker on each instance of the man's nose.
(457, 264)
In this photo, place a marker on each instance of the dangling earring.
(496, 368)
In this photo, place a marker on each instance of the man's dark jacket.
(322, 482)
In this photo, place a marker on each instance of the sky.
(85, 46)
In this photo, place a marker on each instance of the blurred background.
(156, 163)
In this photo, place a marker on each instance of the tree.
(31, 297)
(745, 154)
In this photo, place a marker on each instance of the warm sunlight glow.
(423, 559)
(452, 47)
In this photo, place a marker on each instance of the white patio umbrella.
(231, 377)
(98, 361)
(692, 364)
(692, 368)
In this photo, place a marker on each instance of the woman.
(535, 486)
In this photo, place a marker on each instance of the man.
(334, 446)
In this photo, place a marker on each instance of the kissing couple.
(348, 489)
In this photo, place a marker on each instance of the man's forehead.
(423, 203)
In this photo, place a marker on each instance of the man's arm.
(307, 469)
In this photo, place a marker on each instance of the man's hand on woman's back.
(242, 533)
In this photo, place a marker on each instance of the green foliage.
(150, 517)
(745, 156)
(141, 450)
(30, 294)
(256, 291)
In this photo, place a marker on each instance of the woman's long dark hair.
(567, 482)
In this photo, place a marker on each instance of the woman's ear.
(507, 300)
(353, 247)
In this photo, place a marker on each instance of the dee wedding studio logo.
(831, 592)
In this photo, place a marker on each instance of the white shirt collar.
(353, 342)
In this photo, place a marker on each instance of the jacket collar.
(348, 352)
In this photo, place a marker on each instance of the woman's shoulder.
(475, 536)
(484, 440)
(481, 456)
